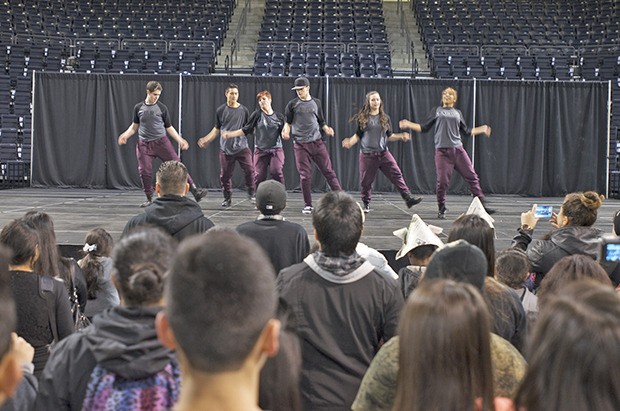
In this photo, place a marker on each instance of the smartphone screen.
(543, 211)
(612, 252)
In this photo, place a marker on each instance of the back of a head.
(475, 230)
(338, 223)
(512, 267)
(270, 197)
(581, 209)
(221, 294)
(445, 354)
(568, 270)
(98, 243)
(21, 239)
(141, 261)
(616, 222)
(49, 258)
(458, 261)
(574, 361)
(172, 177)
(8, 317)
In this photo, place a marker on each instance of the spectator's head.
(421, 254)
(512, 267)
(221, 307)
(171, 179)
(42, 223)
(338, 223)
(141, 261)
(270, 197)
(98, 243)
(568, 270)
(458, 261)
(10, 369)
(475, 230)
(445, 349)
(574, 361)
(579, 209)
(23, 242)
(617, 223)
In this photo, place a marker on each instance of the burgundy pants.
(370, 163)
(268, 160)
(446, 161)
(146, 151)
(227, 166)
(305, 154)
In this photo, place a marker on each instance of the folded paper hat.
(418, 233)
(477, 208)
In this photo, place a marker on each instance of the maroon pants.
(370, 163)
(305, 154)
(268, 160)
(446, 161)
(227, 166)
(146, 151)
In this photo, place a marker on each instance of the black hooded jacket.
(179, 216)
(122, 340)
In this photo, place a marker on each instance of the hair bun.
(592, 200)
(146, 280)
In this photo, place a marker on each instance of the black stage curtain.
(549, 138)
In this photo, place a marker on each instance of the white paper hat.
(477, 208)
(418, 233)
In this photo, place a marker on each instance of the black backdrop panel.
(548, 138)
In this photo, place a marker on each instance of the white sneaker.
(307, 210)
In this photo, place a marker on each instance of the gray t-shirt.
(373, 138)
(107, 296)
(306, 119)
(267, 129)
(231, 119)
(449, 124)
(153, 119)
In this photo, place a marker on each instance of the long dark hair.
(445, 349)
(49, 258)
(362, 116)
(475, 230)
(98, 243)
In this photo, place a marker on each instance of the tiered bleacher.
(96, 36)
(316, 38)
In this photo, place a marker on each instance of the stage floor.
(76, 211)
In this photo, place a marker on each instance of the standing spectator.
(230, 117)
(342, 307)
(304, 123)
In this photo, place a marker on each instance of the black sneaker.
(366, 208)
(442, 212)
(226, 203)
(486, 207)
(199, 193)
(411, 200)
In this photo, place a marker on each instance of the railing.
(235, 43)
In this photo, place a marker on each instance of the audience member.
(574, 356)
(512, 268)
(118, 360)
(342, 307)
(285, 243)
(171, 210)
(574, 233)
(410, 276)
(97, 267)
(221, 342)
(445, 352)
(461, 262)
(477, 231)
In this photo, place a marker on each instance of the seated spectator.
(512, 268)
(285, 243)
(342, 307)
(464, 263)
(15, 353)
(445, 352)
(574, 356)
(97, 267)
(573, 232)
(222, 342)
(613, 267)
(118, 359)
(42, 303)
(171, 210)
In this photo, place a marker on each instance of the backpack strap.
(46, 289)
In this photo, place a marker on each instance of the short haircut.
(338, 221)
(8, 316)
(172, 177)
(221, 294)
(151, 86)
(262, 94)
(141, 261)
(422, 252)
(458, 261)
(512, 267)
(475, 230)
(21, 239)
(231, 86)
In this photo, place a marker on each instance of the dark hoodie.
(179, 216)
(122, 340)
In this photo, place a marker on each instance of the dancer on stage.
(374, 130)
(267, 127)
(304, 122)
(449, 151)
(151, 120)
(229, 117)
